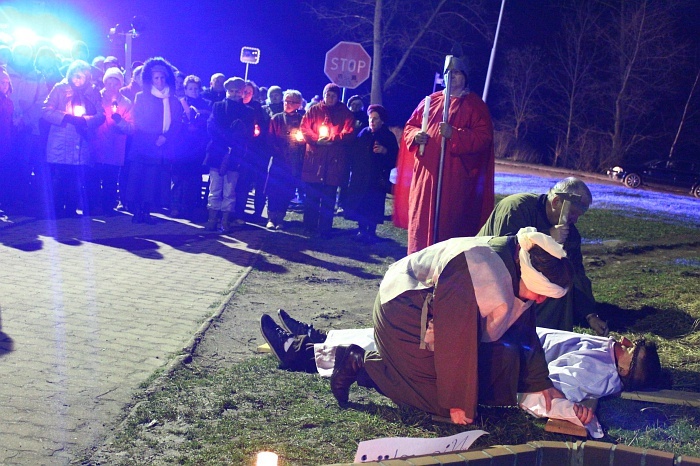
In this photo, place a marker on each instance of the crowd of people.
(80, 140)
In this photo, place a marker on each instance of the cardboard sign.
(401, 447)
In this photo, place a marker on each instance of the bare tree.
(403, 32)
(520, 83)
(685, 115)
(642, 54)
(572, 84)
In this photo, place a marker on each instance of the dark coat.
(529, 210)
(370, 175)
(230, 127)
(148, 125)
(327, 164)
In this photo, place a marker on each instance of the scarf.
(534, 280)
(164, 95)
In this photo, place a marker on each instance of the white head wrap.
(534, 280)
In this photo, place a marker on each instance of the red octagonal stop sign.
(347, 64)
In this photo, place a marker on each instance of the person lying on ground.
(478, 292)
(581, 366)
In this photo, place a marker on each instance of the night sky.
(205, 36)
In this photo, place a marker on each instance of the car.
(669, 172)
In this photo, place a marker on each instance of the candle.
(266, 458)
(114, 106)
(256, 131)
(323, 132)
(299, 136)
(78, 110)
(424, 123)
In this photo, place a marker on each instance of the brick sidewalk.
(90, 308)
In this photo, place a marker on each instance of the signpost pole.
(246, 72)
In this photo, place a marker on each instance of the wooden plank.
(560, 426)
(669, 397)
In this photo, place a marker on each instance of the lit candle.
(323, 132)
(256, 131)
(267, 458)
(299, 136)
(78, 110)
(424, 124)
(114, 106)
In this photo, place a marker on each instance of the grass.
(645, 274)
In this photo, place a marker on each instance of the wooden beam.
(669, 397)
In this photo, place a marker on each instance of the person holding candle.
(328, 129)
(157, 123)
(467, 192)
(253, 171)
(110, 143)
(287, 143)
(74, 110)
(372, 158)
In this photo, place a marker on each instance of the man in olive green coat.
(544, 212)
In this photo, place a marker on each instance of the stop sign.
(347, 64)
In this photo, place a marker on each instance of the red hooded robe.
(468, 175)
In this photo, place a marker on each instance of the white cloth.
(534, 404)
(164, 95)
(529, 237)
(493, 284)
(324, 353)
(580, 366)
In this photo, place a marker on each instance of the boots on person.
(212, 221)
(349, 361)
(226, 222)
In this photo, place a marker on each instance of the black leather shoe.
(296, 327)
(349, 359)
(276, 337)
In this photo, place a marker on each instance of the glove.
(78, 122)
(116, 118)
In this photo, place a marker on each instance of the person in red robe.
(467, 193)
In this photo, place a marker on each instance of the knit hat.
(113, 73)
(383, 114)
(332, 88)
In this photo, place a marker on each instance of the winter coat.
(66, 143)
(148, 126)
(327, 164)
(110, 143)
(230, 127)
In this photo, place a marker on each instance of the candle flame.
(78, 110)
(267, 458)
(299, 136)
(256, 131)
(323, 131)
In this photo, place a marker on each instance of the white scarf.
(534, 280)
(164, 96)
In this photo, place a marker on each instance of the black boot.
(349, 359)
(276, 337)
(296, 327)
